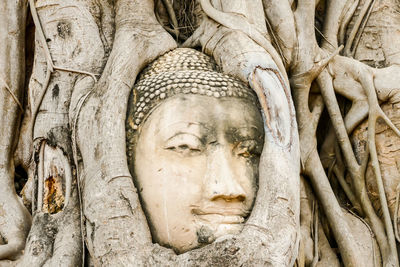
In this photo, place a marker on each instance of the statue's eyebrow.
(250, 131)
(196, 128)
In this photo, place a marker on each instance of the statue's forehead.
(202, 114)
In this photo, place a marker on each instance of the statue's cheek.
(169, 190)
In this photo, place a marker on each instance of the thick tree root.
(238, 23)
(50, 66)
(15, 219)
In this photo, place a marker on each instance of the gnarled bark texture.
(67, 69)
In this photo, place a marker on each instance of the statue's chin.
(225, 230)
(204, 234)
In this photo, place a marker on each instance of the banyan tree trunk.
(63, 121)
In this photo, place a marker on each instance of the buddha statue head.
(194, 139)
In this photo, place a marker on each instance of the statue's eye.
(245, 154)
(247, 149)
(186, 144)
(184, 149)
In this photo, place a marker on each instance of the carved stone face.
(196, 168)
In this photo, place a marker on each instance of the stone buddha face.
(195, 165)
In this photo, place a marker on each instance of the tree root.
(353, 38)
(314, 169)
(361, 28)
(309, 76)
(315, 234)
(171, 13)
(241, 24)
(50, 66)
(15, 220)
(5, 85)
(395, 216)
(11, 251)
(280, 24)
(364, 76)
(376, 112)
(346, 188)
(346, 20)
(308, 121)
(357, 172)
(310, 158)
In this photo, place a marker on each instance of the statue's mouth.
(220, 219)
(220, 215)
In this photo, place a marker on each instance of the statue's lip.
(220, 218)
(231, 214)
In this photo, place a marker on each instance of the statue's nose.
(221, 180)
